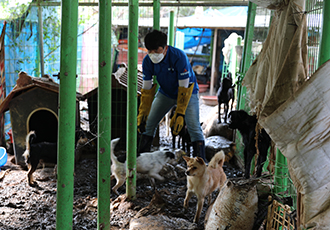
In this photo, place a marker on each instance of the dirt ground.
(25, 207)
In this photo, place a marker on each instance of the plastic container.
(3, 156)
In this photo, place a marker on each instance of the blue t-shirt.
(174, 67)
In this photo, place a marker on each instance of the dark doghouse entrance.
(44, 123)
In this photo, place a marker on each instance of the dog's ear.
(200, 160)
(186, 158)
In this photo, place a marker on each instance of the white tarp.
(300, 128)
(280, 68)
(295, 112)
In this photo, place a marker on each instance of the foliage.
(12, 9)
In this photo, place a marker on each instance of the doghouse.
(33, 105)
(118, 106)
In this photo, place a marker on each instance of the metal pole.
(324, 54)
(132, 98)
(238, 59)
(41, 40)
(156, 11)
(214, 57)
(246, 56)
(104, 116)
(281, 173)
(171, 29)
(246, 60)
(67, 114)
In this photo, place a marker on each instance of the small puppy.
(202, 180)
(36, 152)
(147, 163)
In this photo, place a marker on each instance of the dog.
(45, 152)
(149, 163)
(246, 125)
(202, 180)
(183, 135)
(226, 92)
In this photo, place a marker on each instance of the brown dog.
(202, 180)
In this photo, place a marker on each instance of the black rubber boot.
(144, 144)
(199, 149)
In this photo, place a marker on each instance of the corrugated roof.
(121, 77)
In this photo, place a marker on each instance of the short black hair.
(155, 39)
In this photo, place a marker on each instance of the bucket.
(3, 156)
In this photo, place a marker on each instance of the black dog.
(246, 125)
(35, 152)
(46, 152)
(183, 136)
(225, 92)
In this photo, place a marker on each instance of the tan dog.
(202, 180)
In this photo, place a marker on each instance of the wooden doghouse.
(33, 105)
(118, 106)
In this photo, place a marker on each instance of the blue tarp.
(195, 36)
(202, 36)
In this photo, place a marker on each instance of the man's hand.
(177, 123)
(141, 123)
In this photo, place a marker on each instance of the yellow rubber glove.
(177, 120)
(147, 96)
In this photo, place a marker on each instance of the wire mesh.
(22, 39)
(314, 11)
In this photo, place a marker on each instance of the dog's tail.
(113, 145)
(217, 160)
(28, 141)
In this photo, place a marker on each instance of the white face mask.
(156, 57)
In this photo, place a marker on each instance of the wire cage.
(23, 51)
(280, 217)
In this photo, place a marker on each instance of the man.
(177, 86)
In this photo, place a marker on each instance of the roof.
(121, 77)
(25, 83)
(226, 18)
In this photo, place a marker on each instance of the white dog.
(147, 163)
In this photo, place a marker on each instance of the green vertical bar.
(171, 29)
(104, 116)
(156, 11)
(132, 98)
(324, 54)
(281, 173)
(246, 60)
(246, 57)
(67, 112)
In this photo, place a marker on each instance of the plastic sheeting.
(295, 112)
(196, 36)
(300, 128)
(280, 68)
(235, 207)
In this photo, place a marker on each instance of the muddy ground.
(25, 207)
